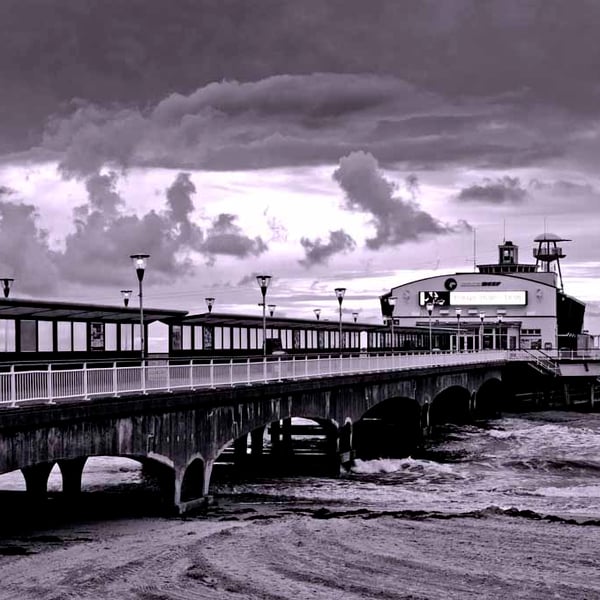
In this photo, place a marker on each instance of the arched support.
(36, 479)
(192, 485)
(72, 470)
(345, 445)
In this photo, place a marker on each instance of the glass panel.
(187, 337)
(226, 338)
(126, 337)
(176, 337)
(218, 338)
(198, 337)
(236, 338)
(110, 336)
(79, 336)
(45, 336)
(7, 335)
(244, 338)
(65, 339)
(136, 337)
(96, 337)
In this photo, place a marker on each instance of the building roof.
(16, 308)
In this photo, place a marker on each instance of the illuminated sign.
(474, 298)
(508, 298)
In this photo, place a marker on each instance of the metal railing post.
(143, 378)
(231, 372)
(248, 372)
(192, 386)
(168, 376)
(49, 384)
(264, 369)
(85, 382)
(13, 386)
(212, 373)
(115, 380)
(279, 368)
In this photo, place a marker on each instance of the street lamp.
(209, 303)
(500, 319)
(429, 307)
(392, 304)
(481, 318)
(126, 295)
(6, 283)
(263, 282)
(355, 315)
(339, 292)
(139, 262)
(458, 313)
(271, 308)
(317, 312)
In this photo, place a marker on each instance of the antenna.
(504, 231)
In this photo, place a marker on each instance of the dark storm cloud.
(24, 249)
(319, 252)
(500, 191)
(226, 238)
(135, 82)
(395, 219)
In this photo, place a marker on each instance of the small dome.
(550, 237)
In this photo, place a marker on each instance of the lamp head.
(126, 295)
(263, 282)
(6, 283)
(317, 312)
(339, 292)
(139, 262)
(429, 307)
(209, 303)
(271, 308)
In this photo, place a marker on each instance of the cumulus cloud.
(395, 219)
(227, 238)
(500, 191)
(319, 252)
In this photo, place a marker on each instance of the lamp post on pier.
(481, 318)
(339, 292)
(271, 308)
(209, 303)
(263, 282)
(139, 262)
(317, 312)
(458, 313)
(6, 283)
(392, 305)
(429, 307)
(499, 344)
(126, 295)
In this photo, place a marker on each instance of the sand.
(294, 552)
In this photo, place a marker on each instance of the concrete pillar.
(256, 442)
(72, 471)
(473, 403)
(592, 396)
(567, 394)
(192, 486)
(345, 445)
(36, 478)
(425, 419)
(240, 450)
(286, 436)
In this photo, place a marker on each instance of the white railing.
(56, 383)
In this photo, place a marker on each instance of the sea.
(546, 463)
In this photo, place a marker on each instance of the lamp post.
(429, 307)
(355, 316)
(392, 305)
(263, 282)
(209, 303)
(6, 283)
(139, 262)
(481, 318)
(339, 292)
(458, 313)
(317, 312)
(271, 308)
(500, 319)
(126, 295)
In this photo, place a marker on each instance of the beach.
(291, 552)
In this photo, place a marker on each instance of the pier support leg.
(592, 395)
(345, 446)
(191, 486)
(36, 479)
(72, 471)
(256, 442)
(240, 451)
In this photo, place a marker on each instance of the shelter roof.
(17, 308)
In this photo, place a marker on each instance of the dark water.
(545, 462)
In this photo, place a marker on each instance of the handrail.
(53, 385)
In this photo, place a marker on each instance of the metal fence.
(57, 382)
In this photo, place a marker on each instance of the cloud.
(25, 252)
(318, 252)
(395, 220)
(499, 191)
(226, 238)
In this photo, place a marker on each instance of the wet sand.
(282, 551)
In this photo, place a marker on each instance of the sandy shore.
(279, 552)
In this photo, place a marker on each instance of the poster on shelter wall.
(176, 337)
(97, 336)
(296, 340)
(207, 338)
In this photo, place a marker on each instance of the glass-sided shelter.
(40, 330)
(220, 334)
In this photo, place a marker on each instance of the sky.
(328, 143)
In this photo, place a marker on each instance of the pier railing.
(57, 382)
